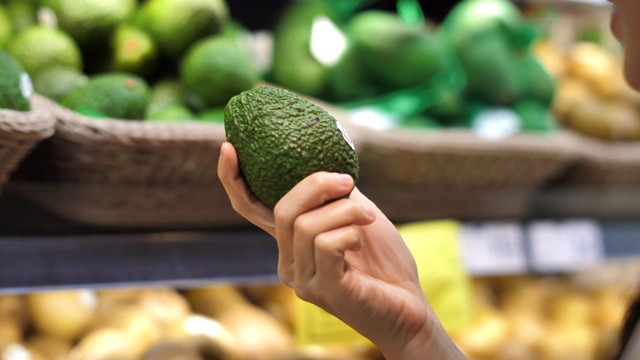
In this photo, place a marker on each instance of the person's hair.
(629, 325)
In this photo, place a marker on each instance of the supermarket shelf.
(187, 259)
(36, 263)
(39, 252)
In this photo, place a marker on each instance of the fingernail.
(222, 152)
(369, 211)
(345, 179)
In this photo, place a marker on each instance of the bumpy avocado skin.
(281, 138)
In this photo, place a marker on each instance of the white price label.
(493, 248)
(566, 245)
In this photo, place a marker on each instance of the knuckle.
(303, 225)
(304, 293)
(324, 242)
(285, 276)
(280, 211)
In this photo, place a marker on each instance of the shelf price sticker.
(493, 248)
(436, 248)
(557, 246)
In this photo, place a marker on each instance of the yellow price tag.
(445, 282)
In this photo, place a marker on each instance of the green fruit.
(91, 22)
(56, 82)
(492, 72)
(132, 51)
(538, 83)
(165, 92)
(294, 66)
(41, 47)
(470, 17)
(170, 113)
(281, 138)
(212, 115)
(349, 81)
(15, 84)
(535, 116)
(395, 54)
(215, 69)
(116, 95)
(420, 122)
(176, 25)
(23, 14)
(6, 28)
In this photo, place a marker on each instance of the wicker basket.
(20, 132)
(132, 174)
(415, 175)
(603, 182)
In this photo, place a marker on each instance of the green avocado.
(15, 84)
(112, 94)
(397, 55)
(281, 138)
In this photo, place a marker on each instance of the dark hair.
(628, 327)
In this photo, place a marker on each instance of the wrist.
(429, 342)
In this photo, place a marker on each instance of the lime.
(5, 26)
(165, 92)
(42, 47)
(175, 25)
(133, 50)
(171, 113)
(15, 85)
(90, 22)
(216, 69)
(23, 14)
(56, 82)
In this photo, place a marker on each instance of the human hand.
(346, 257)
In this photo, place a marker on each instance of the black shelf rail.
(181, 259)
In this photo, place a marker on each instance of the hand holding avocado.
(288, 159)
(281, 138)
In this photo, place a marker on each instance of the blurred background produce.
(495, 67)
(65, 45)
(492, 66)
(570, 316)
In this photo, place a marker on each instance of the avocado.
(492, 73)
(15, 84)
(397, 55)
(115, 94)
(281, 138)
(56, 82)
(214, 69)
(294, 66)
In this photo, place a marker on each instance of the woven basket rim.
(594, 150)
(560, 143)
(35, 123)
(73, 125)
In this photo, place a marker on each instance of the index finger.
(242, 199)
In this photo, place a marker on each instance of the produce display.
(551, 317)
(114, 59)
(592, 99)
(547, 317)
(425, 74)
(485, 66)
(221, 322)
